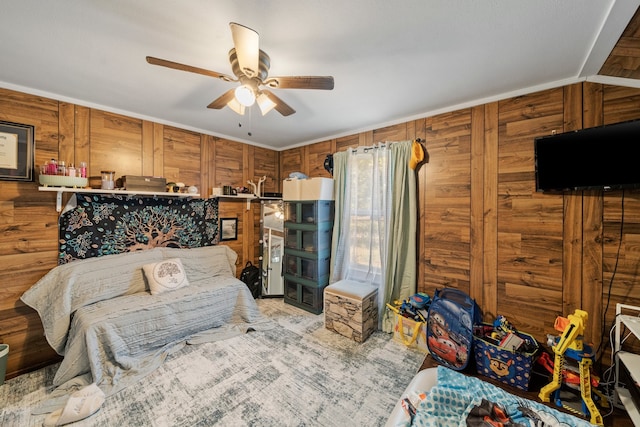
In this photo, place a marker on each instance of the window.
(364, 219)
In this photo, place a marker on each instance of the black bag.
(251, 277)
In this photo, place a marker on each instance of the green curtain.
(401, 272)
(340, 175)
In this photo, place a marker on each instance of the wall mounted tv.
(599, 158)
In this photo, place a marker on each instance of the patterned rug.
(295, 374)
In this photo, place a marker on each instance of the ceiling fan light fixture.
(236, 106)
(245, 95)
(250, 66)
(265, 104)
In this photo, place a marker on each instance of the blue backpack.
(450, 322)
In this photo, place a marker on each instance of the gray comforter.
(98, 314)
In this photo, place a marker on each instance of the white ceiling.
(392, 61)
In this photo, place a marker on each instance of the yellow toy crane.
(570, 345)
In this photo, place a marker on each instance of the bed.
(451, 398)
(100, 315)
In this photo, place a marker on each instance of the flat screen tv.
(600, 158)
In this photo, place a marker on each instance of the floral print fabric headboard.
(110, 224)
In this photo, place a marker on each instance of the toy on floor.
(415, 307)
(570, 345)
(571, 377)
(505, 335)
(411, 331)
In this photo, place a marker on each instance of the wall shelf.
(248, 197)
(60, 190)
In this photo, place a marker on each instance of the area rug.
(295, 374)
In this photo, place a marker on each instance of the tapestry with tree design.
(102, 224)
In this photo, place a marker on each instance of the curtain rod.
(382, 145)
(372, 147)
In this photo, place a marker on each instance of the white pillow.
(165, 275)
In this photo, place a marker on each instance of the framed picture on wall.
(17, 146)
(228, 229)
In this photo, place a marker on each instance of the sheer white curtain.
(375, 221)
(363, 218)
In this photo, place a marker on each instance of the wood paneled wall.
(482, 226)
(485, 230)
(107, 141)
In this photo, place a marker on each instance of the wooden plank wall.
(530, 224)
(107, 141)
(446, 260)
(482, 226)
(485, 230)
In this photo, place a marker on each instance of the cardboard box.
(307, 189)
(317, 189)
(144, 183)
(291, 189)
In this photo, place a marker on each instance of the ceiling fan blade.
(281, 106)
(300, 82)
(222, 100)
(247, 44)
(191, 69)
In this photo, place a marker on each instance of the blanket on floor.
(458, 400)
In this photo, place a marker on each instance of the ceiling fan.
(250, 65)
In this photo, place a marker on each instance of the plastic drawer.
(307, 268)
(309, 298)
(308, 240)
(309, 212)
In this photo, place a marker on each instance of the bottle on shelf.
(52, 167)
(83, 169)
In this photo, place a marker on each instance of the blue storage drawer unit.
(308, 229)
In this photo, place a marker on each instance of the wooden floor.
(618, 419)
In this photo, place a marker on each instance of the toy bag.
(450, 321)
(410, 321)
(410, 332)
